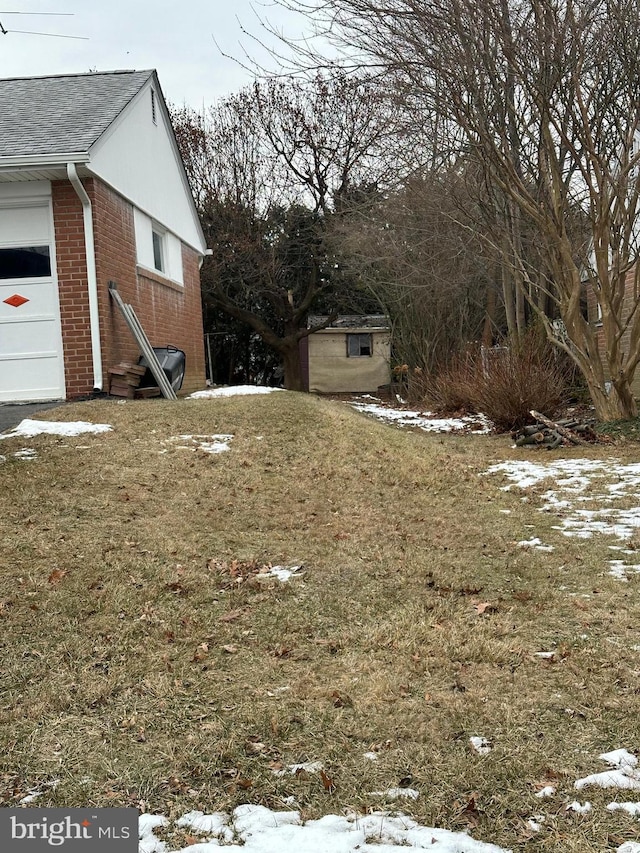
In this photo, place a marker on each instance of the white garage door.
(31, 360)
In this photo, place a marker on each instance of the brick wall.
(169, 313)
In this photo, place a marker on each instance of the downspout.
(92, 279)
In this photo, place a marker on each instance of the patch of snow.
(629, 847)
(257, 829)
(579, 808)
(281, 573)
(535, 823)
(481, 745)
(630, 808)
(148, 843)
(231, 391)
(426, 421)
(217, 443)
(216, 824)
(306, 767)
(29, 428)
(544, 655)
(371, 756)
(27, 453)
(535, 544)
(621, 570)
(625, 775)
(547, 791)
(397, 794)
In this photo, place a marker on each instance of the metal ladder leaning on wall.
(143, 342)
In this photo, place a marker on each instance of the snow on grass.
(423, 420)
(29, 428)
(534, 543)
(480, 744)
(625, 774)
(217, 443)
(584, 510)
(257, 829)
(231, 391)
(547, 791)
(397, 794)
(281, 573)
(305, 767)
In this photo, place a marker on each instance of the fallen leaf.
(56, 576)
(230, 649)
(470, 813)
(485, 607)
(282, 652)
(176, 587)
(327, 782)
(341, 700)
(191, 840)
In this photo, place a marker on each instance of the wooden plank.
(151, 391)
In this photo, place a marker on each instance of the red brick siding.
(169, 313)
(72, 284)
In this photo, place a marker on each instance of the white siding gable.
(138, 157)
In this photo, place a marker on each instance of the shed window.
(25, 262)
(359, 345)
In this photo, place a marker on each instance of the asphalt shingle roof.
(56, 115)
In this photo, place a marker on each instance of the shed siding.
(331, 372)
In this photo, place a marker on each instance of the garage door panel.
(24, 226)
(31, 355)
(37, 335)
(28, 299)
(18, 381)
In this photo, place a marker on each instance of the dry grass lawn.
(144, 663)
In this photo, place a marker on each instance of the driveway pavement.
(12, 413)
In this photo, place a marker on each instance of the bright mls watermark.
(69, 830)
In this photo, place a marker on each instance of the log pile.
(551, 434)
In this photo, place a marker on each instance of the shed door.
(31, 360)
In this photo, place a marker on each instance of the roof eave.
(22, 162)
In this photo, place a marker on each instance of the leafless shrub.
(504, 383)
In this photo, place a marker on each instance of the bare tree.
(268, 167)
(418, 251)
(545, 94)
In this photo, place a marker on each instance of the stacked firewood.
(551, 434)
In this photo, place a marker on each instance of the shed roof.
(66, 113)
(354, 321)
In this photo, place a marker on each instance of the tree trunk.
(293, 378)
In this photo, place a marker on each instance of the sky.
(185, 42)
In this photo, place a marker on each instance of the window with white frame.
(157, 249)
(158, 240)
